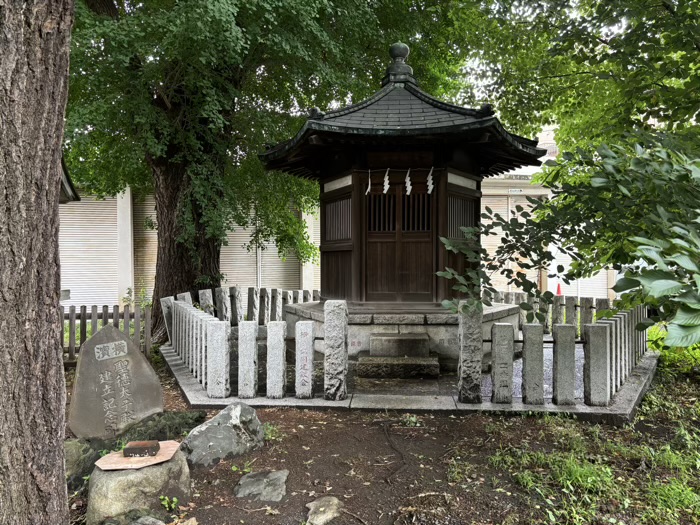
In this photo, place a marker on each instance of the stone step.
(399, 345)
(397, 367)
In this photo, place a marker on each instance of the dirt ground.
(384, 471)
(395, 468)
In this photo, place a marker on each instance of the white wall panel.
(88, 249)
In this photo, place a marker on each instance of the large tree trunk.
(179, 267)
(34, 50)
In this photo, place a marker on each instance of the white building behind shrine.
(108, 248)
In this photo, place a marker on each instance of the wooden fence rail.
(82, 324)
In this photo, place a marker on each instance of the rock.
(233, 431)
(324, 510)
(164, 427)
(263, 486)
(147, 520)
(115, 493)
(80, 460)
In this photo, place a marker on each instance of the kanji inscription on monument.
(110, 350)
(114, 387)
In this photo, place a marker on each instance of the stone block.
(399, 319)
(360, 319)
(397, 367)
(238, 312)
(602, 304)
(336, 356)
(440, 319)
(596, 365)
(307, 296)
(265, 306)
(520, 298)
(413, 328)
(316, 295)
(570, 312)
(620, 374)
(444, 340)
(304, 366)
(587, 311)
(276, 305)
(286, 299)
(253, 304)
(470, 353)
(502, 351)
(533, 364)
(358, 335)
(399, 345)
(223, 304)
(558, 310)
(276, 359)
(185, 297)
(206, 301)
(612, 365)
(248, 359)
(564, 369)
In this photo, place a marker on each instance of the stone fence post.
(248, 359)
(237, 310)
(304, 366)
(502, 350)
(471, 352)
(533, 364)
(218, 360)
(185, 297)
(166, 305)
(223, 304)
(335, 363)
(206, 301)
(564, 370)
(276, 359)
(596, 365)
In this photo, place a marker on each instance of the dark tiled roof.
(401, 112)
(401, 106)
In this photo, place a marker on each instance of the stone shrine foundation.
(369, 323)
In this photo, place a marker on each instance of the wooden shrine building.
(397, 172)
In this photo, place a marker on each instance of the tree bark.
(34, 53)
(179, 267)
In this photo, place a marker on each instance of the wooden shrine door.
(400, 254)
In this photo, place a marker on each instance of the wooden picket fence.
(79, 325)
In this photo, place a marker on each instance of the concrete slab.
(395, 402)
(620, 412)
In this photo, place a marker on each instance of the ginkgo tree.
(177, 97)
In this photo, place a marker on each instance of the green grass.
(571, 472)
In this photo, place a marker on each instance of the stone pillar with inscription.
(304, 366)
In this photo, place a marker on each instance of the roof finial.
(399, 52)
(398, 70)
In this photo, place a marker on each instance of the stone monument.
(114, 386)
